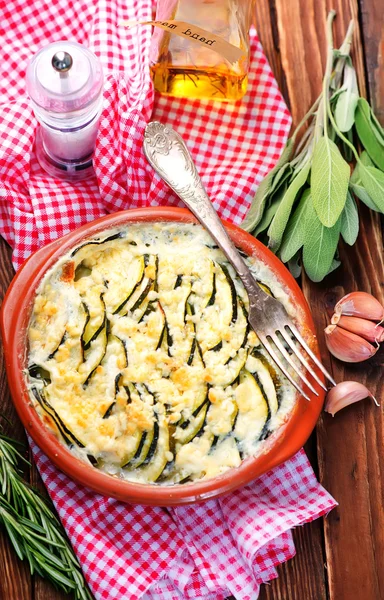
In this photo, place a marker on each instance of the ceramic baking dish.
(15, 316)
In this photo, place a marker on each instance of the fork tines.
(285, 334)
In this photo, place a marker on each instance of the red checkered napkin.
(222, 547)
(207, 551)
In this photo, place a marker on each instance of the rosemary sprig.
(33, 529)
(307, 202)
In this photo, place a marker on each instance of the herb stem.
(328, 71)
(305, 143)
(309, 114)
(344, 51)
(341, 136)
(345, 47)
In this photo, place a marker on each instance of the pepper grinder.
(65, 84)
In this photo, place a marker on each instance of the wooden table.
(340, 557)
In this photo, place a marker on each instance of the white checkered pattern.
(222, 547)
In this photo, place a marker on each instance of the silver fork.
(170, 158)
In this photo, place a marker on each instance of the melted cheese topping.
(142, 361)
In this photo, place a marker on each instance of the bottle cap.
(64, 77)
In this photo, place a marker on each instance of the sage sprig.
(307, 202)
(35, 532)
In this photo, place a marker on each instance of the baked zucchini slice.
(226, 448)
(143, 439)
(62, 341)
(138, 269)
(120, 291)
(260, 370)
(200, 448)
(110, 238)
(193, 427)
(159, 457)
(93, 326)
(178, 281)
(220, 313)
(65, 432)
(190, 332)
(232, 288)
(222, 415)
(265, 288)
(117, 347)
(253, 410)
(228, 373)
(40, 373)
(212, 296)
(275, 375)
(165, 339)
(145, 449)
(225, 349)
(94, 353)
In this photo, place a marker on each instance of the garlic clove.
(348, 346)
(369, 330)
(360, 304)
(344, 394)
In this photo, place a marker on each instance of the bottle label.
(197, 35)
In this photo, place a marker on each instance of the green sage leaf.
(268, 215)
(345, 148)
(373, 181)
(256, 209)
(294, 234)
(347, 100)
(281, 176)
(335, 265)
(294, 265)
(361, 193)
(370, 115)
(277, 193)
(280, 220)
(357, 187)
(366, 160)
(377, 129)
(365, 131)
(335, 96)
(329, 181)
(349, 227)
(320, 245)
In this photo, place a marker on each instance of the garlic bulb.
(360, 304)
(354, 335)
(346, 393)
(369, 330)
(348, 346)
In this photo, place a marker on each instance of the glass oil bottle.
(182, 67)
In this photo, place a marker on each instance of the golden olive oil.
(196, 83)
(182, 67)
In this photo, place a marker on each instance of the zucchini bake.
(141, 359)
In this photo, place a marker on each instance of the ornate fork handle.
(170, 158)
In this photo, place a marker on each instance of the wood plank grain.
(266, 25)
(292, 54)
(351, 451)
(302, 46)
(350, 446)
(351, 456)
(15, 578)
(16, 582)
(302, 577)
(373, 37)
